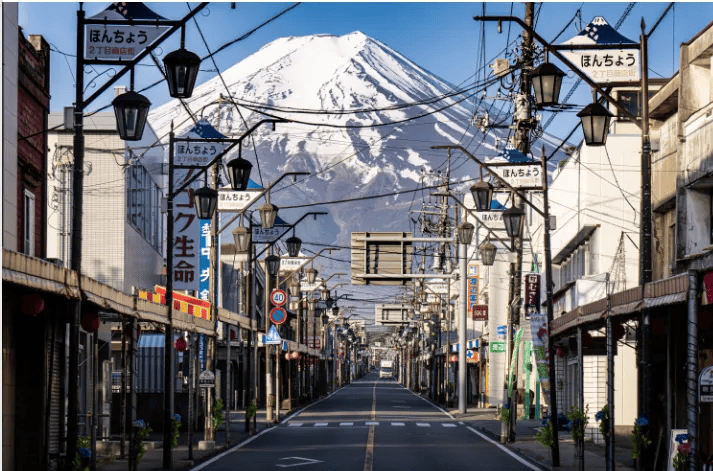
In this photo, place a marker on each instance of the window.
(630, 100)
(28, 224)
(143, 205)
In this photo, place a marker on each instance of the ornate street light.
(311, 275)
(311, 304)
(205, 200)
(293, 246)
(335, 310)
(482, 195)
(487, 253)
(273, 264)
(239, 173)
(242, 237)
(181, 72)
(546, 83)
(595, 124)
(329, 302)
(268, 213)
(131, 110)
(324, 294)
(514, 219)
(294, 287)
(465, 233)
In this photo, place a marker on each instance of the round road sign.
(278, 315)
(278, 297)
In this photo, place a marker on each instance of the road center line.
(369, 458)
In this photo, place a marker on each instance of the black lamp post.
(293, 246)
(242, 237)
(294, 287)
(268, 213)
(482, 195)
(546, 83)
(487, 253)
(181, 72)
(273, 264)
(206, 201)
(514, 219)
(595, 124)
(131, 110)
(311, 275)
(465, 233)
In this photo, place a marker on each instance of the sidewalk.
(525, 444)
(153, 458)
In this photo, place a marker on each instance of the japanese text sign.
(540, 345)
(263, 235)
(607, 65)
(186, 242)
(230, 200)
(532, 294)
(196, 153)
(118, 42)
(520, 176)
(480, 312)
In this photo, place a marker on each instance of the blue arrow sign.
(469, 354)
(272, 337)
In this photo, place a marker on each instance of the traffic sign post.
(278, 297)
(278, 315)
(272, 337)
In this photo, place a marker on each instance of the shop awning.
(626, 302)
(666, 292)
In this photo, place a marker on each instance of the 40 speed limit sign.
(278, 297)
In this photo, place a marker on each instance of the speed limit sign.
(278, 297)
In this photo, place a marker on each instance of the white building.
(123, 227)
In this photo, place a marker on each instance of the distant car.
(386, 372)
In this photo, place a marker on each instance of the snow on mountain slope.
(364, 119)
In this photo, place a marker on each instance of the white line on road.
(295, 424)
(422, 424)
(371, 423)
(321, 424)
(398, 424)
(449, 425)
(521, 460)
(346, 424)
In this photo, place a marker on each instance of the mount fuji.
(362, 120)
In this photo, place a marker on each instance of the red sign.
(454, 359)
(479, 312)
(278, 315)
(278, 297)
(181, 302)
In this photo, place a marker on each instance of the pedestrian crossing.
(366, 424)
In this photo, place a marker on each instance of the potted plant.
(141, 433)
(83, 454)
(504, 414)
(251, 416)
(577, 423)
(546, 436)
(603, 417)
(639, 439)
(175, 425)
(683, 452)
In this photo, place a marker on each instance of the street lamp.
(242, 237)
(294, 287)
(311, 274)
(131, 110)
(273, 265)
(482, 195)
(268, 213)
(514, 219)
(239, 173)
(181, 71)
(465, 233)
(293, 246)
(487, 253)
(546, 83)
(205, 200)
(595, 123)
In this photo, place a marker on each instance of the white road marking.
(449, 425)
(461, 423)
(521, 460)
(306, 461)
(321, 424)
(422, 424)
(346, 424)
(402, 407)
(372, 423)
(398, 424)
(295, 424)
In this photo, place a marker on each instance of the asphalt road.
(370, 425)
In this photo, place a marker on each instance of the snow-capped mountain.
(363, 119)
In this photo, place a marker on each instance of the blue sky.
(441, 37)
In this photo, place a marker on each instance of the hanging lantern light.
(294, 287)
(239, 173)
(482, 195)
(514, 219)
(33, 304)
(546, 83)
(312, 304)
(487, 253)
(206, 201)
(131, 110)
(324, 293)
(268, 213)
(561, 352)
(181, 72)
(90, 322)
(311, 275)
(595, 120)
(243, 238)
(180, 344)
(273, 264)
(465, 233)
(293, 246)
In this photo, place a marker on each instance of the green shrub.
(546, 435)
(218, 416)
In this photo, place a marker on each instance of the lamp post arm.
(291, 226)
(554, 51)
(262, 193)
(497, 177)
(233, 143)
(176, 25)
(470, 212)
